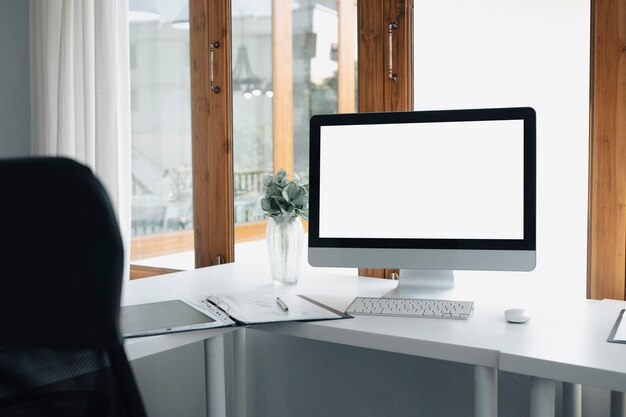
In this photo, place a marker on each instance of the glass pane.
(485, 53)
(162, 221)
(313, 71)
(315, 47)
(252, 104)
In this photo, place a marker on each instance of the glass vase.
(285, 240)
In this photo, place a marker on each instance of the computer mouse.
(517, 315)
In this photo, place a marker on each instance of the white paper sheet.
(252, 309)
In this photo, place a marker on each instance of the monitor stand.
(423, 283)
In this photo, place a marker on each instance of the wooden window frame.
(211, 138)
(377, 92)
(141, 271)
(212, 133)
(606, 275)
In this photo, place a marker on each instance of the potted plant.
(285, 202)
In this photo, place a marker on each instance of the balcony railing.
(155, 215)
(248, 187)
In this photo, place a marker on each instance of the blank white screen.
(446, 180)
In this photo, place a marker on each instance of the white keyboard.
(411, 307)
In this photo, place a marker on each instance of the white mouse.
(517, 315)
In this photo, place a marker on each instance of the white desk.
(570, 346)
(544, 348)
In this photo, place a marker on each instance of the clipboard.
(618, 333)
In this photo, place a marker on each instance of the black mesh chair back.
(61, 353)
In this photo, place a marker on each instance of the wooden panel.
(372, 272)
(212, 133)
(376, 91)
(345, 59)
(399, 94)
(371, 65)
(150, 246)
(140, 271)
(247, 232)
(282, 82)
(607, 182)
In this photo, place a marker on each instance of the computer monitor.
(428, 192)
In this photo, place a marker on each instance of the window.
(474, 66)
(291, 60)
(162, 216)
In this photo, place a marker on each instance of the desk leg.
(215, 375)
(240, 391)
(618, 404)
(542, 397)
(572, 400)
(226, 375)
(485, 391)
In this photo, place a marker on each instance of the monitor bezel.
(527, 114)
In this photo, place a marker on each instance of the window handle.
(393, 26)
(212, 48)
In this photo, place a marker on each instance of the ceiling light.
(142, 11)
(182, 18)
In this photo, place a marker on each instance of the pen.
(282, 304)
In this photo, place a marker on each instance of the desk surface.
(549, 346)
(570, 345)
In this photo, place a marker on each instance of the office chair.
(61, 353)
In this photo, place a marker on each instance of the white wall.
(505, 53)
(14, 79)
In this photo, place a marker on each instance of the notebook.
(210, 312)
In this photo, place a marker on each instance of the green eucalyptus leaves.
(284, 199)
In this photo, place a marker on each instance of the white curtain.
(80, 86)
